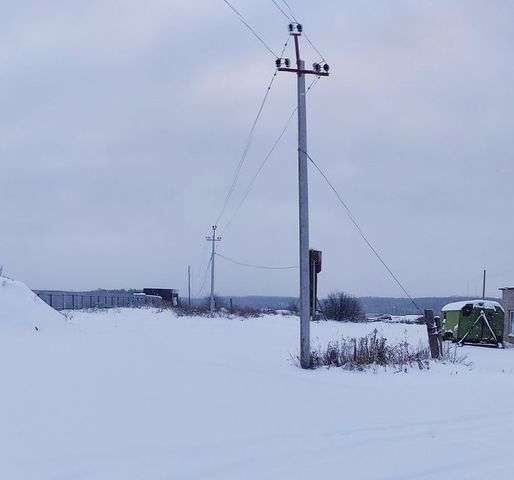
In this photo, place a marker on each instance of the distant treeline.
(403, 306)
(370, 305)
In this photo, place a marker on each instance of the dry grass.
(373, 350)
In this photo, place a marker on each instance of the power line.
(261, 166)
(245, 22)
(249, 265)
(248, 143)
(204, 257)
(314, 47)
(361, 233)
(279, 8)
(205, 276)
(266, 158)
(197, 271)
(285, 46)
(290, 10)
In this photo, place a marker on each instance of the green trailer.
(478, 322)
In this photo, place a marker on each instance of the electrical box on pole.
(314, 269)
(319, 70)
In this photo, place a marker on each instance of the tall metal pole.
(213, 239)
(483, 285)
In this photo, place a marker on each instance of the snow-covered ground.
(395, 318)
(141, 394)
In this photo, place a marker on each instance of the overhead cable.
(361, 233)
(245, 22)
(261, 166)
(267, 157)
(248, 143)
(199, 268)
(280, 9)
(249, 265)
(314, 47)
(290, 10)
(205, 276)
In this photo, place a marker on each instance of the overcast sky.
(122, 123)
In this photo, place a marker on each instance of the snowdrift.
(22, 309)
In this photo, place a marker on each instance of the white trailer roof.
(451, 307)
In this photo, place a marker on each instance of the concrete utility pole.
(483, 285)
(213, 239)
(303, 189)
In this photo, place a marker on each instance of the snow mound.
(20, 308)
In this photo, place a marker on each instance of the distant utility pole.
(189, 284)
(483, 285)
(295, 30)
(213, 239)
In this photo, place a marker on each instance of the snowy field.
(141, 394)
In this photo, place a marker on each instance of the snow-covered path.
(136, 394)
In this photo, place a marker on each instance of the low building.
(508, 304)
(169, 295)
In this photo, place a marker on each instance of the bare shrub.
(203, 310)
(67, 315)
(247, 312)
(373, 351)
(293, 308)
(451, 354)
(370, 350)
(185, 310)
(342, 307)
